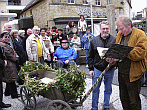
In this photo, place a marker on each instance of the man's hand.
(111, 60)
(67, 61)
(55, 58)
(91, 73)
(58, 39)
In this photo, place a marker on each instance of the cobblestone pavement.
(43, 102)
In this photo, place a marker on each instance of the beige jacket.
(31, 48)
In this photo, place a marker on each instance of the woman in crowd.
(82, 25)
(18, 48)
(47, 42)
(10, 69)
(21, 35)
(48, 33)
(69, 30)
(54, 32)
(75, 43)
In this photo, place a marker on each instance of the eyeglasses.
(105, 28)
(6, 36)
(120, 28)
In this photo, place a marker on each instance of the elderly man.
(133, 66)
(65, 54)
(8, 28)
(35, 47)
(97, 65)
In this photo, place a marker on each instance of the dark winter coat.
(64, 37)
(94, 59)
(10, 70)
(24, 45)
(19, 50)
(1, 64)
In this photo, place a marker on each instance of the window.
(98, 2)
(71, 1)
(85, 2)
(108, 2)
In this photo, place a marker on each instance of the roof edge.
(31, 4)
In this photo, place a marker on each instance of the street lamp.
(91, 15)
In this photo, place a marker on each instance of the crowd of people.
(37, 45)
(46, 46)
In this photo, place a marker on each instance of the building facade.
(9, 12)
(60, 12)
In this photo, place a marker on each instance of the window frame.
(85, 3)
(109, 2)
(96, 2)
(70, 2)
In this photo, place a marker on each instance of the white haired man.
(35, 47)
(8, 28)
(133, 66)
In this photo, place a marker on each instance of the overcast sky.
(138, 5)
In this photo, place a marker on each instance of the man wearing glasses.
(35, 47)
(97, 65)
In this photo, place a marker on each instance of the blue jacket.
(64, 54)
(86, 41)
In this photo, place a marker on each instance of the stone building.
(10, 10)
(59, 12)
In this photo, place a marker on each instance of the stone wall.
(48, 10)
(3, 7)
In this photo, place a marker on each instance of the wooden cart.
(60, 100)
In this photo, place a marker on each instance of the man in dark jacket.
(60, 36)
(2, 64)
(29, 32)
(97, 65)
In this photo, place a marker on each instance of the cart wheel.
(58, 105)
(28, 99)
